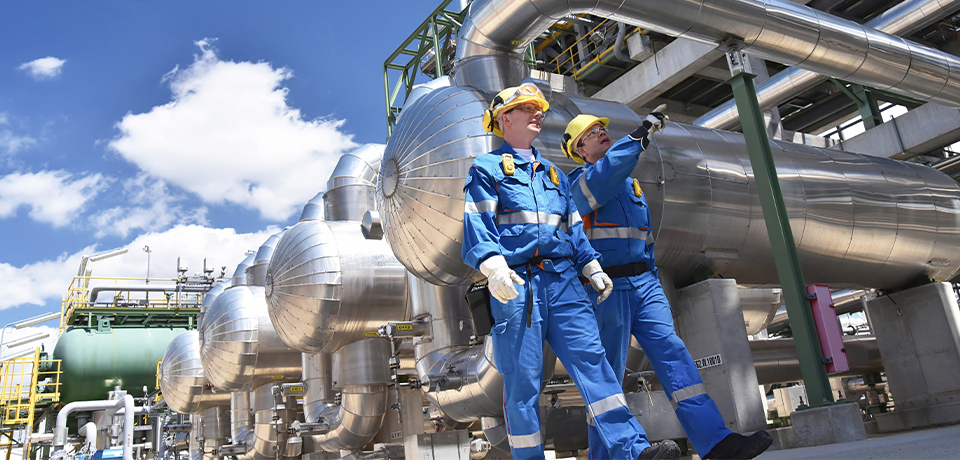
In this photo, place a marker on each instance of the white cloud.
(43, 281)
(156, 209)
(230, 123)
(12, 143)
(54, 197)
(49, 342)
(43, 68)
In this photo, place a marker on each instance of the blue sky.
(197, 128)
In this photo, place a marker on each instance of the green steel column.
(781, 241)
(869, 109)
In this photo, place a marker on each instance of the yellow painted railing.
(25, 382)
(78, 296)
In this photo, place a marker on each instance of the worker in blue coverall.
(523, 232)
(617, 223)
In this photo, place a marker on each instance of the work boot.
(666, 450)
(738, 446)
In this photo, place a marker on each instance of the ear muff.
(488, 120)
(563, 144)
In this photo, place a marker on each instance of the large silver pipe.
(215, 430)
(257, 272)
(470, 387)
(208, 299)
(240, 274)
(184, 387)
(241, 349)
(195, 447)
(264, 426)
(360, 370)
(352, 186)
(496, 33)
(905, 18)
(858, 221)
(776, 360)
(328, 286)
(318, 380)
(241, 426)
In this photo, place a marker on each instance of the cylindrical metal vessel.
(216, 429)
(351, 188)
(94, 362)
(776, 359)
(257, 273)
(759, 307)
(858, 221)
(181, 377)
(241, 350)
(208, 300)
(328, 286)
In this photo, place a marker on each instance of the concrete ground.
(920, 444)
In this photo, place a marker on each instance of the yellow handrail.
(78, 296)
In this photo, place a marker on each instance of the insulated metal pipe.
(495, 34)
(858, 221)
(60, 431)
(903, 19)
(352, 185)
(257, 272)
(776, 360)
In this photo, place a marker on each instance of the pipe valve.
(403, 329)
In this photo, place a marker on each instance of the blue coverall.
(617, 223)
(521, 216)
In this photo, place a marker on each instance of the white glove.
(657, 119)
(598, 279)
(501, 278)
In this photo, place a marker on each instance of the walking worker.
(617, 223)
(523, 232)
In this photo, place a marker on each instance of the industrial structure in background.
(346, 335)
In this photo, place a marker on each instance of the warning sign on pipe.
(709, 361)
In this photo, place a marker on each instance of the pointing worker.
(523, 232)
(617, 223)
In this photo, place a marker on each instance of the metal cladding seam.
(777, 30)
(181, 377)
(903, 19)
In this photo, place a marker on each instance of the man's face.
(595, 144)
(522, 120)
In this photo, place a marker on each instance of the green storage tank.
(94, 362)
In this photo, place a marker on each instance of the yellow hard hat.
(511, 97)
(575, 130)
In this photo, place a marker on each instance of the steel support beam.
(781, 240)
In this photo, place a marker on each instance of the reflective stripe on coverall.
(517, 216)
(617, 222)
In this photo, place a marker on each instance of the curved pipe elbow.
(356, 421)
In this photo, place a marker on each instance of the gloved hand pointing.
(501, 278)
(598, 279)
(654, 122)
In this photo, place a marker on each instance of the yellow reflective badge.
(553, 175)
(508, 167)
(636, 188)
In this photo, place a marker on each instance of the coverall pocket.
(514, 193)
(505, 346)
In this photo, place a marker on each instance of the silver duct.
(776, 360)
(209, 298)
(905, 18)
(350, 189)
(216, 428)
(460, 379)
(181, 377)
(328, 286)
(313, 210)
(196, 448)
(361, 373)
(241, 426)
(241, 349)
(264, 427)
(858, 221)
(496, 33)
(257, 272)
(240, 274)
